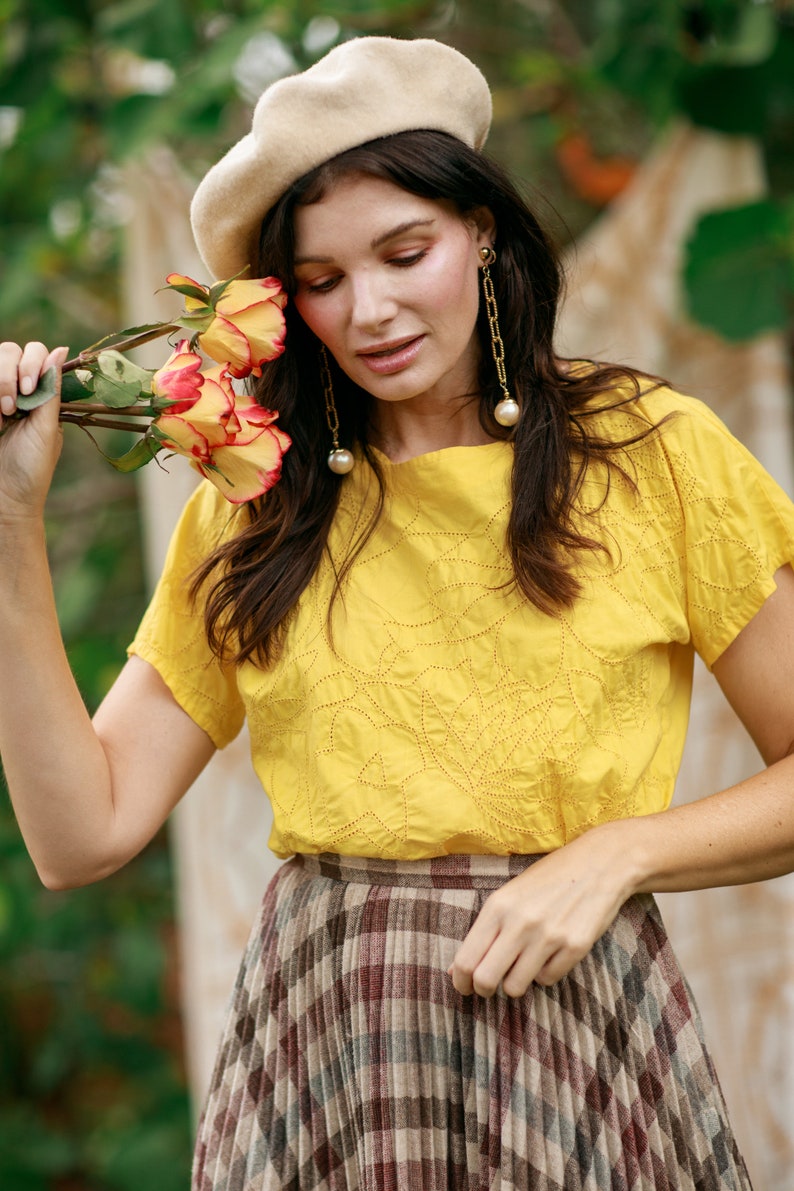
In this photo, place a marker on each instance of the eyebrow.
(391, 234)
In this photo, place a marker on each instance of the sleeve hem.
(187, 697)
(745, 611)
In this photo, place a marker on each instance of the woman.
(463, 642)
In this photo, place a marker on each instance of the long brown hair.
(256, 578)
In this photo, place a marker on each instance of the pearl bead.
(341, 461)
(507, 412)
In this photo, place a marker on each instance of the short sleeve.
(738, 524)
(171, 635)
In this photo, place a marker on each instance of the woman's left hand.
(540, 924)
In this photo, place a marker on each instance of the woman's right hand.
(29, 450)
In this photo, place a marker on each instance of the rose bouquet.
(182, 408)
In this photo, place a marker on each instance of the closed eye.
(329, 283)
(405, 262)
(321, 287)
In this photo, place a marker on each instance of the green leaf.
(738, 272)
(44, 392)
(753, 41)
(195, 322)
(115, 394)
(189, 291)
(219, 288)
(118, 382)
(73, 389)
(138, 456)
(730, 98)
(114, 365)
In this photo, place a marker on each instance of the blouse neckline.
(440, 456)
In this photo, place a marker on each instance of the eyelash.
(405, 262)
(401, 262)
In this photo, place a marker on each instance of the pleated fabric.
(350, 1063)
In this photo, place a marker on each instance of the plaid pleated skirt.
(350, 1063)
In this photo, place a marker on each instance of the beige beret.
(365, 88)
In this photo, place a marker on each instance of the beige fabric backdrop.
(623, 304)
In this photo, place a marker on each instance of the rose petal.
(264, 328)
(190, 302)
(248, 292)
(209, 415)
(180, 436)
(249, 411)
(179, 379)
(254, 308)
(181, 279)
(244, 472)
(225, 342)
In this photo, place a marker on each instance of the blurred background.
(103, 103)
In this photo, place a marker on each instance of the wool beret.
(363, 89)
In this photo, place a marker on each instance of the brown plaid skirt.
(350, 1063)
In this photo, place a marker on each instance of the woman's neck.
(402, 430)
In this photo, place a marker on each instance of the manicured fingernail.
(7, 406)
(26, 385)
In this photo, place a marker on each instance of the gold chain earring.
(340, 460)
(508, 411)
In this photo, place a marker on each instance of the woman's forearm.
(542, 922)
(55, 765)
(742, 834)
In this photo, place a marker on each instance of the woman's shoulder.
(668, 440)
(648, 413)
(206, 520)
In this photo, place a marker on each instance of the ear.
(484, 226)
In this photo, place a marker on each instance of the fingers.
(530, 966)
(538, 925)
(507, 945)
(469, 957)
(31, 365)
(22, 368)
(510, 961)
(504, 956)
(56, 358)
(10, 356)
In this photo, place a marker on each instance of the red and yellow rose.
(227, 437)
(244, 320)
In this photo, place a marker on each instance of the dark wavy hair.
(255, 578)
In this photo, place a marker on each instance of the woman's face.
(388, 281)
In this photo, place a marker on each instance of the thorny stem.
(77, 407)
(101, 423)
(123, 345)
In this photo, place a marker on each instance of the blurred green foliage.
(727, 65)
(92, 1091)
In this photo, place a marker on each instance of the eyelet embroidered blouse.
(444, 713)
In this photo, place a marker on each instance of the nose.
(373, 303)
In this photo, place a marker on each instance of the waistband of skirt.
(460, 871)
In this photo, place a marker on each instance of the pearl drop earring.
(340, 460)
(507, 411)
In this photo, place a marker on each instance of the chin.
(397, 387)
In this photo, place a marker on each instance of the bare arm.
(87, 798)
(541, 923)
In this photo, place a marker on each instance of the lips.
(392, 357)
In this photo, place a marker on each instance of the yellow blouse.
(444, 713)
